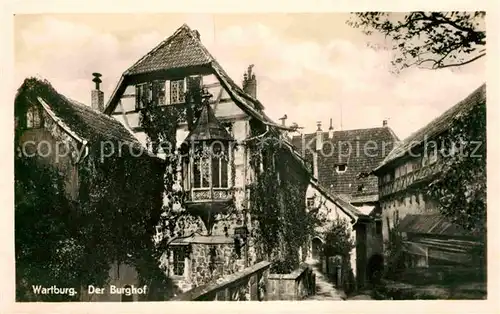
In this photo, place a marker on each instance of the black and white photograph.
(323, 156)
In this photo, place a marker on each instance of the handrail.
(221, 283)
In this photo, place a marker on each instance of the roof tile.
(361, 150)
(180, 50)
(86, 122)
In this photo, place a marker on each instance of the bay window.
(211, 167)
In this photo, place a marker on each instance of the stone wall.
(394, 208)
(297, 285)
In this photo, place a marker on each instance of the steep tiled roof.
(361, 150)
(81, 121)
(184, 49)
(180, 50)
(208, 127)
(436, 126)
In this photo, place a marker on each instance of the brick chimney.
(249, 82)
(384, 123)
(97, 101)
(330, 129)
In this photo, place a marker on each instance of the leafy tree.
(432, 40)
(338, 238)
(461, 186)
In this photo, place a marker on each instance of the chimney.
(315, 165)
(97, 101)
(330, 129)
(283, 120)
(196, 34)
(319, 137)
(249, 82)
(384, 123)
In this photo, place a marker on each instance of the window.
(212, 169)
(150, 93)
(33, 117)
(177, 92)
(387, 178)
(361, 188)
(341, 168)
(142, 95)
(310, 202)
(179, 260)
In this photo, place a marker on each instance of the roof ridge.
(183, 27)
(60, 121)
(348, 130)
(457, 109)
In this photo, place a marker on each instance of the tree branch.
(462, 63)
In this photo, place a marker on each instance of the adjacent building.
(341, 161)
(403, 177)
(68, 137)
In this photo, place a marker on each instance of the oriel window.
(211, 166)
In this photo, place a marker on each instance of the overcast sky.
(308, 66)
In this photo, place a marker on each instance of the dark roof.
(430, 224)
(361, 150)
(208, 127)
(180, 50)
(82, 122)
(436, 126)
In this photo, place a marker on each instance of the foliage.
(394, 251)
(461, 186)
(428, 39)
(71, 242)
(120, 219)
(338, 238)
(278, 203)
(47, 247)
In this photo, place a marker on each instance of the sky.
(310, 66)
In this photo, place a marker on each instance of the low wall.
(240, 286)
(294, 286)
